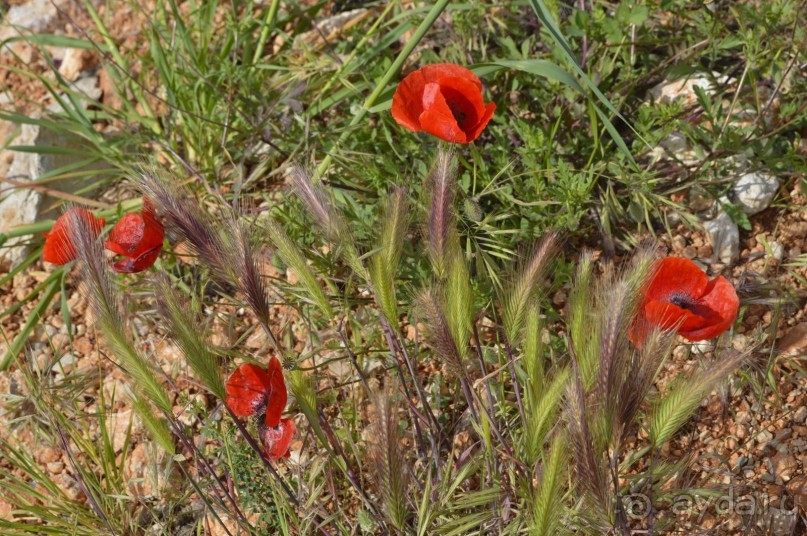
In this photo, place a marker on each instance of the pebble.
(777, 251)
(764, 437)
(755, 191)
(724, 236)
(55, 468)
(67, 362)
(801, 415)
(783, 466)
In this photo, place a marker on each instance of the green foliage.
(229, 97)
(548, 505)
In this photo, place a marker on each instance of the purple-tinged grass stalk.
(228, 253)
(184, 328)
(183, 214)
(526, 286)
(103, 298)
(390, 475)
(387, 257)
(441, 222)
(328, 219)
(438, 333)
(590, 469)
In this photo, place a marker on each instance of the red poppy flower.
(277, 440)
(59, 247)
(679, 295)
(443, 99)
(252, 388)
(137, 236)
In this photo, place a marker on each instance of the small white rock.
(683, 88)
(724, 235)
(755, 191)
(777, 251)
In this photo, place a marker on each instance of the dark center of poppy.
(683, 301)
(461, 108)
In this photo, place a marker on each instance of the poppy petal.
(438, 71)
(247, 389)
(483, 122)
(277, 439)
(676, 277)
(721, 300)
(277, 394)
(126, 235)
(437, 118)
(666, 315)
(464, 100)
(138, 236)
(137, 264)
(58, 247)
(407, 102)
(153, 231)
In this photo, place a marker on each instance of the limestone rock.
(724, 236)
(755, 191)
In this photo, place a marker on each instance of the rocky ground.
(749, 440)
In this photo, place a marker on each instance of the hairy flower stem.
(621, 520)
(511, 364)
(275, 344)
(651, 522)
(202, 460)
(415, 379)
(257, 448)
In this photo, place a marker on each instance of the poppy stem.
(254, 444)
(352, 356)
(348, 470)
(204, 462)
(489, 392)
(392, 71)
(389, 336)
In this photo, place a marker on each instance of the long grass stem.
(393, 70)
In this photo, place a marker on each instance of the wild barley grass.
(496, 413)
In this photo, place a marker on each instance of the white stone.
(22, 206)
(683, 89)
(755, 191)
(724, 235)
(34, 16)
(74, 63)
(677, 146)
(777, 251)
